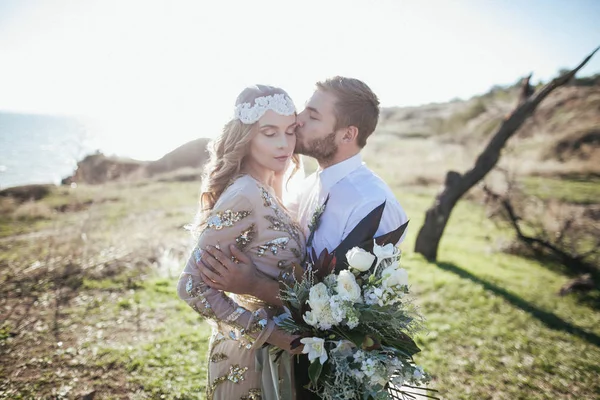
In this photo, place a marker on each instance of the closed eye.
(291, 130)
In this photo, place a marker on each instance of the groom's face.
(315, 135)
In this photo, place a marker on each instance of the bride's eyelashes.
(269, 131)
(272, 134)
(291, 130)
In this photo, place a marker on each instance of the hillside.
(562, 138)
(98, 168)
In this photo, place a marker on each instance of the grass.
(88, 297)
(169, 362)
(89, 305)
(576, 191)
(497, 328)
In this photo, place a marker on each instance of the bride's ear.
(350, 134)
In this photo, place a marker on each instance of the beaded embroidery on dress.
(249, 216)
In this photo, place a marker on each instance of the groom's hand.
(223, 273)
(242, 277)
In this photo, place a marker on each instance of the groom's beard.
(323, 150)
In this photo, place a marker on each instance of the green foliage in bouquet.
(350, 309)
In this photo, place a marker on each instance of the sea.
(41, 148)
(45, 149)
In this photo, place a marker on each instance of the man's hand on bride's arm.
(221, 273)
(225, 274)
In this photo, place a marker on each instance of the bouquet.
(355, 319)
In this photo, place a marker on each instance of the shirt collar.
(335, 173)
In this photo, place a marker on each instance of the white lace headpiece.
(279, 102)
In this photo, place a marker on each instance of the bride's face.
(273, 143)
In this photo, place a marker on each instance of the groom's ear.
(350, 134)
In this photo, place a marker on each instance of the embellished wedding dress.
(249, 216)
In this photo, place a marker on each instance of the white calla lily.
(383, 252)
(315, 348)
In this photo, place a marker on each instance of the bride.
(240, 205)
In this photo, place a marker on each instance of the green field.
(89, 304)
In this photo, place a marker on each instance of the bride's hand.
(298, 349)
(284, 340)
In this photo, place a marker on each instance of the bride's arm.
(218, 307)
(231, 222)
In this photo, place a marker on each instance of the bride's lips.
(282, 158)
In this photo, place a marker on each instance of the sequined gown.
(248, 215)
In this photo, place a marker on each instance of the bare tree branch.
(456, 185)
(574, 262)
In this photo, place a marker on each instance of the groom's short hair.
(356, 105)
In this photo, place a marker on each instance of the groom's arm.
(221, 273)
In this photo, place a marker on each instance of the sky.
(155, 74)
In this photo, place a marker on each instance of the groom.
(333, 128)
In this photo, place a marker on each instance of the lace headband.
(279, 103)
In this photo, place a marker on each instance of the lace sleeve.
(231, 222)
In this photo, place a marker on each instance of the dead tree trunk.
(456, 185)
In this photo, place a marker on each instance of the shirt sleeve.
(393, 217)
(232, 221)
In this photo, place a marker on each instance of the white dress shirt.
(354, 191)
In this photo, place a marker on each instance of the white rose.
(360, 259)
(318, 297)
(347, 288)
(393, 276)
(315, 348)
(386, 251)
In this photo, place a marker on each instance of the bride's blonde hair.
(228, 151)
